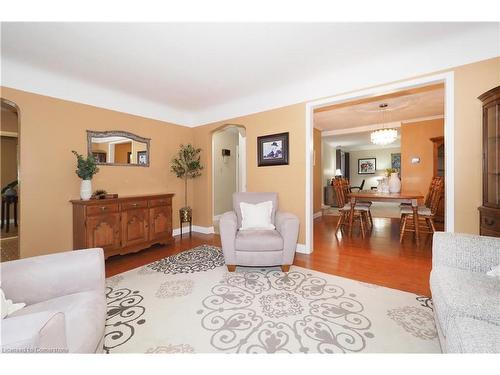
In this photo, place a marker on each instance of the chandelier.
(383, 136)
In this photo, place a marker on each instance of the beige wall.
(121, 152)
(383, 157)
(224, 170)
(8, 120)
(470, 81)
(47, 174)
(47, 187)
(287, 180)
(9, 160)
(415, 142)
(328, 162)
(317, 172)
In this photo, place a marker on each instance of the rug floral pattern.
(189, 303)
(271, 311)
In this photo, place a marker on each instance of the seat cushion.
(457, 292)
(364, 203)
(258, 240)
(85, 316)
(358, 207)
(468, 335)
(422, 210)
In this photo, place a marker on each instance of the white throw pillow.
(8, 307)
(495, 272)
(256, 216)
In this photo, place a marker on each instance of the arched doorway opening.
(228, 167)
(9, 181)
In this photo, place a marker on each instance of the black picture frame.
(142, 158)
(272, 150)
(367, 165)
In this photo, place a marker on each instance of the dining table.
(408, 197)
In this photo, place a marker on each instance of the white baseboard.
(317, 214)
(195, 228)
(301, 248)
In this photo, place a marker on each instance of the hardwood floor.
(378, 259)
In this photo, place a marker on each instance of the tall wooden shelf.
(490, 210)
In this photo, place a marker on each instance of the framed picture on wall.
(272, 150)
(396, 161)
(367, 166)
(142, 157)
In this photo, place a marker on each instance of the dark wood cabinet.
(490, 210)
(122, 225)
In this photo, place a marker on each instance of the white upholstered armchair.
(258, 247)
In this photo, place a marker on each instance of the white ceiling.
(193, 74)
(405, 107)
(358, 141)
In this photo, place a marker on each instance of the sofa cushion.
(258, 240)
(85, 315)
(457, 292)
(468, 335)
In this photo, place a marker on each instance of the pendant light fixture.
(383, 136)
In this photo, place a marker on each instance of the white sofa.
(65, 303)
(466, 300)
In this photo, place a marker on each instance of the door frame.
(449, 137)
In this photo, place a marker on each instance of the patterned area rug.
(189, 303)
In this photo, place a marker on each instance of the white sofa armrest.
(465, 251)
(36, 279)
(42, 332)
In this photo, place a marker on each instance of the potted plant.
(86, 168)
(186, 164)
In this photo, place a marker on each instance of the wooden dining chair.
(348, 189)
(360, 211)
(430, 191)
(426, 214)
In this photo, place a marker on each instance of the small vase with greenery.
(186, 164)
(86, 168)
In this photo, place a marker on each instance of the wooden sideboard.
(122, 225)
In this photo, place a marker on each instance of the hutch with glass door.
(490, 210)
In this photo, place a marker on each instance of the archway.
(9, 181)
(228, 166)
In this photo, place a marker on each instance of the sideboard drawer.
(102, 209)
(160, 202)
(132, 205)
(490, 222)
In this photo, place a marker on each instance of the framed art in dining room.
(142, 157)
(272, 150)
(367, 166)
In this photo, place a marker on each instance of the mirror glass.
(118, 148)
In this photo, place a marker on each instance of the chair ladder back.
(339, 192)
(437, 195)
